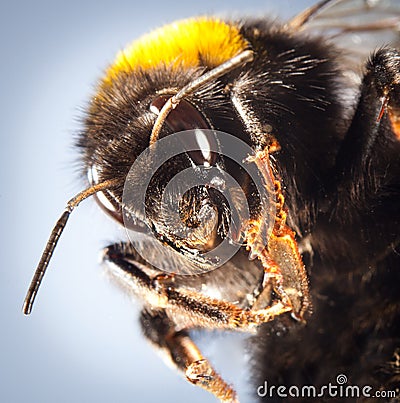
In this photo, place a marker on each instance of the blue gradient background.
(82, 342)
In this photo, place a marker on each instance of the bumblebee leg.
(377, 114)
(174, 309)
(367, 188)
(184, 354)
(357, 238)
(386, 68)
(190, 307)
(128, 268)
(284, 273)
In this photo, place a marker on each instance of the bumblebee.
(309, 211)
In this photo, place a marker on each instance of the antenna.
(55, 236)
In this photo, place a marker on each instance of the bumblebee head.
(132, 109)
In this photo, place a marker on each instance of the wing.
(358, 27)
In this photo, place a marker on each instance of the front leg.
(187, 308)
(375, 126)
(180, 349)
(129, 269)
(367, 188)
(174, 309)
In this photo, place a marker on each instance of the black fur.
(340, 169)
(354, 329)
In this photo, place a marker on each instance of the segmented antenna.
(236, 61)
(55, 236)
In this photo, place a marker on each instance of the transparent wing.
(358, 27)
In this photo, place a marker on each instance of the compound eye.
(111, 203)
(186, 117)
